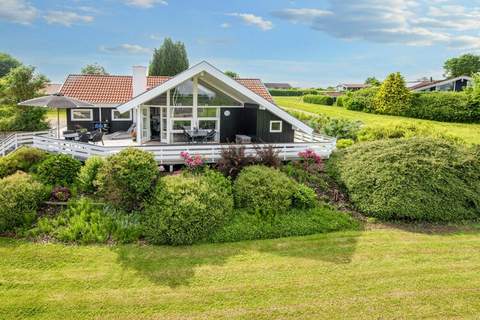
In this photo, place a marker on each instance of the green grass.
(469, 132)
(376, 274)
(52, 114)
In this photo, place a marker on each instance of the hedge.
(419, 179)
(292, 92)
(318, 99)
(360, 100)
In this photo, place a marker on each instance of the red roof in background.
(118, 89)
(424, 84)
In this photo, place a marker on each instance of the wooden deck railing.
(170, 154)
(14, 140)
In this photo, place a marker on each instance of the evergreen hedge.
(318, 99)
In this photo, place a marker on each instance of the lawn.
(469, 132)
(375, 274)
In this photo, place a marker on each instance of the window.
(182, 95)
(275, 126)
(180, 124)
(117, 116)
(207, 124)
(182, 112)
(82, 115)
(207, 112)
(210, 96)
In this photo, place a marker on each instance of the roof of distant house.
(277, 85)
(354, 85)
(114, 89)
(431, 82)
(52, 88)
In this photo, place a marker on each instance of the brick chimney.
(139, 80)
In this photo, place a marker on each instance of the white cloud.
(225, 25)
(254, 20)
(66, 18)
(126, 48)
(145, 3)
(17, 11)
(417, 23)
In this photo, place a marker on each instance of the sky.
(309, 43)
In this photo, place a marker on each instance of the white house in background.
(351, 87)
(453, 84)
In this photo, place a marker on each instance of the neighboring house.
(163, 108)
(272, 85)
(351, 87)
(51, 88)
(453, 84)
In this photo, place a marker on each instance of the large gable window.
(82, 115)
(210, 96)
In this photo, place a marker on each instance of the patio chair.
(97, 137)
(84, 137)
(210, 136)
(187, 135)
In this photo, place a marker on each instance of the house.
(351, 86)
(272, 85)
(452, 84)
(162, 108)
(51, 88)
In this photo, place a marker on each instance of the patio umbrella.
(57, 101)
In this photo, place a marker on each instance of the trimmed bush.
(233, 160)
(59, 170)
(245, 226)
(420, 179)
(291, 92)
(344, 143)
(318, 99)
(303, 197)
(360, 100)
(443, 106)
(264, 191)
(339, 128)
(186, 208)
(128, 178)
(393, 97)
(20, 197)
(88, 174)
(25, 159)
(83, 222)
(339, 101)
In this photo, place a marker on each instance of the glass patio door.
(163, 125)
(146, 133)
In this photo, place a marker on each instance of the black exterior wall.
(106, 117)
(253, 122)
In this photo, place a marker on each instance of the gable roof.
(112, 89)
(264, 101)
(431, 83)
(354, 85)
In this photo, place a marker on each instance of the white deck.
(163, 153)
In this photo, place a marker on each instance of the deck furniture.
(210, 136)
(97, 137)
(242, 139)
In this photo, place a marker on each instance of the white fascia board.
(442, 83)
(208, 68)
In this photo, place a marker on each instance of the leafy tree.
(393, 97)
(465, 65)
(22, 83)
(373, 81)
(94, 69)
(169, 60)
(231, 74)
(7, 62)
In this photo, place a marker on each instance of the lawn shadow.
(427, 227)
(172, 266)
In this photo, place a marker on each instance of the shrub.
(267, 156)
(61, 194)
(341, 128)
(233, 160)
(360, 100)
(393, 97)
(20, 197)
(416, 179)
(245, 226)
(443, 106)
(292, 92)
(186, 208)
(339, 101)
(88, 174)
(128, 178)
(344, 143)
(18, 118)
(59, 169)
(318, 99)
(310, 175)
(263, 190)
(25, 159)
(83, 222)
(193, 163)
(303, 197)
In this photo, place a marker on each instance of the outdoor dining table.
(197, 134)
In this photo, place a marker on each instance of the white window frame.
(273, 122)
(83, 119)
(113, 115)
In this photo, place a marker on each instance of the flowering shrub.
(193, 163)
(61, 193)
(310, 157)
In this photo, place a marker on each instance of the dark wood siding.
(106, 116)
(263, 128)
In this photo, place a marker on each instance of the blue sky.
(307, 43)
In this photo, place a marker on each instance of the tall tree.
(231, 74)
(169, 60)
(465, 65)
(7, 62)
(94, 68)
(393, 97)
(373, 81)
(22, 83)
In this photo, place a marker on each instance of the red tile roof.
(424, 84)
(118, 89)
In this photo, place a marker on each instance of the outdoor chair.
(97, 137)
(210, 136)
(187, 135)
(84, 137)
